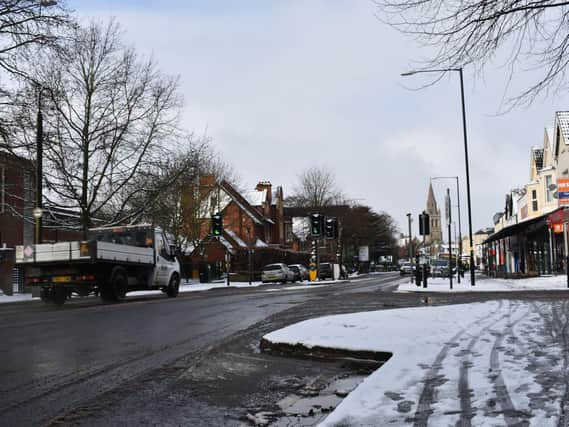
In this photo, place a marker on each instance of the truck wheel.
(119, 284)
(173, 287)
(59, 296)
(46, 295)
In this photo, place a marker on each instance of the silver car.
(300, 272)
(278, 272)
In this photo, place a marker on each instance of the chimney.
(266, 185)
(207, 182)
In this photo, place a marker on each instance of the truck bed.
(70, 251)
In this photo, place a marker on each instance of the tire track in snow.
(512, 416)
(464, 391)
(432, 379)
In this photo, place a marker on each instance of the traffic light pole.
(449, 216)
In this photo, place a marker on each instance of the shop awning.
(529, 226)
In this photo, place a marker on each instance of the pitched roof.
(563, 120)
(243, 204)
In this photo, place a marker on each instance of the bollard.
(425, 274)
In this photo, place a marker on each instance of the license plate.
(61, 279)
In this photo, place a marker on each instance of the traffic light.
(316, 224)
(424, 224)
(217, 224)
(331, 228)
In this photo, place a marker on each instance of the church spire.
(431, 202)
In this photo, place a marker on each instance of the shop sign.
(563, 191)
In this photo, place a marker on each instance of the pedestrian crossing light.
(331, 228)
(316, 224)
(424, 224)
(217, 224)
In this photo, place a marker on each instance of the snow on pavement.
(484, 284)
(188, 287)
(493, 363)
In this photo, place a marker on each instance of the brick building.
(255, 228)
(17, 191)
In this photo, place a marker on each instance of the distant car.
(406, 268)
(439, 268)
(325, 271)
(278, 272)
(300, 272)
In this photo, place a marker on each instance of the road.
(93, 364)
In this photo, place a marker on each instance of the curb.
(317, 352)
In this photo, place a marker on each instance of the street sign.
(363, 254)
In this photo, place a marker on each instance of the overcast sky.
(281, 86)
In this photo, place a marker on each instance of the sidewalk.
(494, 363)
(483, 284)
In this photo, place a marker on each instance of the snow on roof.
(225, 243)
(235, 237)
(256, 198)
(260, 244)
(563, 120)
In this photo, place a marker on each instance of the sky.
(283, 86)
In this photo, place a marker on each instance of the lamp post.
(39, 171)
(459, 221)
(409, 219)
(459, 70)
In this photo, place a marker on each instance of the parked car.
(300, 272)
(278, 272)
(325, 271)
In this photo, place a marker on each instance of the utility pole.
(410, 246)
(39, 170)
(448, 218)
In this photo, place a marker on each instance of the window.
(548, 191)
(534, 200)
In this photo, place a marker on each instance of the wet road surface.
(53, 361)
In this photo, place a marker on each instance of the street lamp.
(39, 170)
(37, 213)
(411, 73)
(459, 222)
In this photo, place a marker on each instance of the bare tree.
(168, 192)
(26, 26)
(316, 188)
(107, 114)
(533, 32)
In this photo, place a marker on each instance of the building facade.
(531, 233)
(17, 190)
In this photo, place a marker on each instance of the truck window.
(140, 238)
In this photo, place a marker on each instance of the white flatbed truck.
(110, 263)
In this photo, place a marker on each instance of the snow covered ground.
(481, 364)
(483, 284)
(191, 287)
